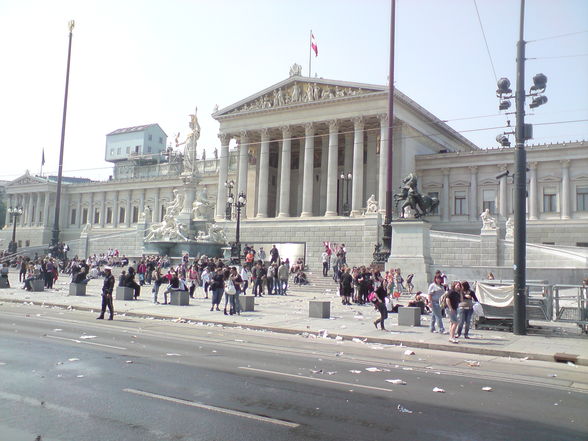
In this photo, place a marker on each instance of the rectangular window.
(582, 244)
(84, 216)
(96, 216)
(150, 137)
(459, 203)
(148, 149)
(121, 215)
(111, 152)
(128, 149)
(27, 243)
(137, 148)
(72, 219)
(135, 215)
(549, 200)
(581, 198)
(160, 140)
(434, 194)
(109, 215)
(489, 200)
(118, 151)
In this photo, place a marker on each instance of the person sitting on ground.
(420, 301)
(300, 278)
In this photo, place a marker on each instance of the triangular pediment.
(298, 90)
(27, 179)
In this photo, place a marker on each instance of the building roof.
(69, 180)
(133, 129)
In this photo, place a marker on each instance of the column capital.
(383, 117)
(501, 167)
(244, 136)
(565, 163)
(473, 169)
(286, 131)
(445, 171)
(358, 122)
(532, 165)
(333, 125)
(309, 129)
(225, 138)
(264, 134)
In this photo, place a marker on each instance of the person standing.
(465, 309)
(275, 255)
(246, 277)
(325, 258)
(107, 288)
(283, 274)
(218, 287)
(452, 303)
(436, 290)
(346, 286)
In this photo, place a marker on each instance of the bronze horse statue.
(420, 204)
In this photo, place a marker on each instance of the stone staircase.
(317, 283)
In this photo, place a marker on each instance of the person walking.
(436, 290)
(107, 288)
(283, 274)
(378, 298)
(465, 309)
(157, 279)
(217, 285)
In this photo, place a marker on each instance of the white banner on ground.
(492, 295)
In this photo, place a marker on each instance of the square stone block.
(319, 309)
(409, 316)
(179, 298)
(77, 289)
(247, 303)
(4, 283)
(38, 284)
(124, 293)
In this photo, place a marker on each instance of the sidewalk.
(289, 314)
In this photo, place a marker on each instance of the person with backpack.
(436, 291)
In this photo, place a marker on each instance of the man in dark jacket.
(107, 289)
(129, 282)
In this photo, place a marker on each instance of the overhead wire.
(485, 41)
(557, 36)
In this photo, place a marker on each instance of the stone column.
(332, 168)
(446, 207)
(46, 208)
(128, 209)
(79, 211)
(141, 207)
(243, 163)
(285, 172)
(502, 194)
(383, 169)
(307, 186)
(7, 214)
(370, 174)
(357, 182)
(321, 203)
(30, 210)
(156, 210)
(103, 211)
(474, 194)
(223, 175)
(533, 213)
(565, 189)
(115, 210)
(90, 218)
(263, 185)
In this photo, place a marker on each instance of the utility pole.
(520, 181)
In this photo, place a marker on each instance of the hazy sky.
(148, 61)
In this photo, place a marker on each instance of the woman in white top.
(205, 277)
(246, 276)
(436, 290)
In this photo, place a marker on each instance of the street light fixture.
(15, 212)
(229, 186)
(346, 180)
(236, 246)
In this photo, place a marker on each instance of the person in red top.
(250, 256)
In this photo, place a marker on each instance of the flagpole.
(309, 53)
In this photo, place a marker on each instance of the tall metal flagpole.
(309, 53)
(55, 232)
(520, 227)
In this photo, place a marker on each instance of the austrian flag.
(313, 44)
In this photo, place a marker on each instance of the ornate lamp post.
(236, 246)
(346, 180)
(229, 186)
(15, 212)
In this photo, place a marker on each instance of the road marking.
(354, 385)
(213, 408)
(86, 342)
(40, 403)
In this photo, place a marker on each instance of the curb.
(388, 341)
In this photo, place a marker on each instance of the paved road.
(66, 376)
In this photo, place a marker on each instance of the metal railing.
(570, 303)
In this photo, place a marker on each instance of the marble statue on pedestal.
(214, 234)
(169, 229)
(488, 222)
(190, 144)
(509, 228)
(202, 209)
(372, 205)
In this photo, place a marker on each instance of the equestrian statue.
(414, 205)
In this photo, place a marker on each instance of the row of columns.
(35, 209)
(356, 150)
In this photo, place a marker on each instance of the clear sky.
(153, 61)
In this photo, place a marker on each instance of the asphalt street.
(66, 376)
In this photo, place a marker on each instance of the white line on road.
(86, 342)
(354, 385)
(212, 408)
(40, 403)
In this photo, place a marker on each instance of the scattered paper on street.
(438, 389)
(373, 369)
(73, 359)
(408, 352)
(486, 388)
(86, 337)
(403, 409)
(396, 381)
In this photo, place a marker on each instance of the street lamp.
(229, 186)
(346, 180)
(236, 246)
(522, 133)
(15, 212)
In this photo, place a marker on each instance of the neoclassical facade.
(308, 153)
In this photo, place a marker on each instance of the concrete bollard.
(77, 289)
(179, 298)
(124, 293)
(247, 303)
(319, 309)
(38, 285)
(409, 316)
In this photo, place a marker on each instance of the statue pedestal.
(489, 247)
(411, 245)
